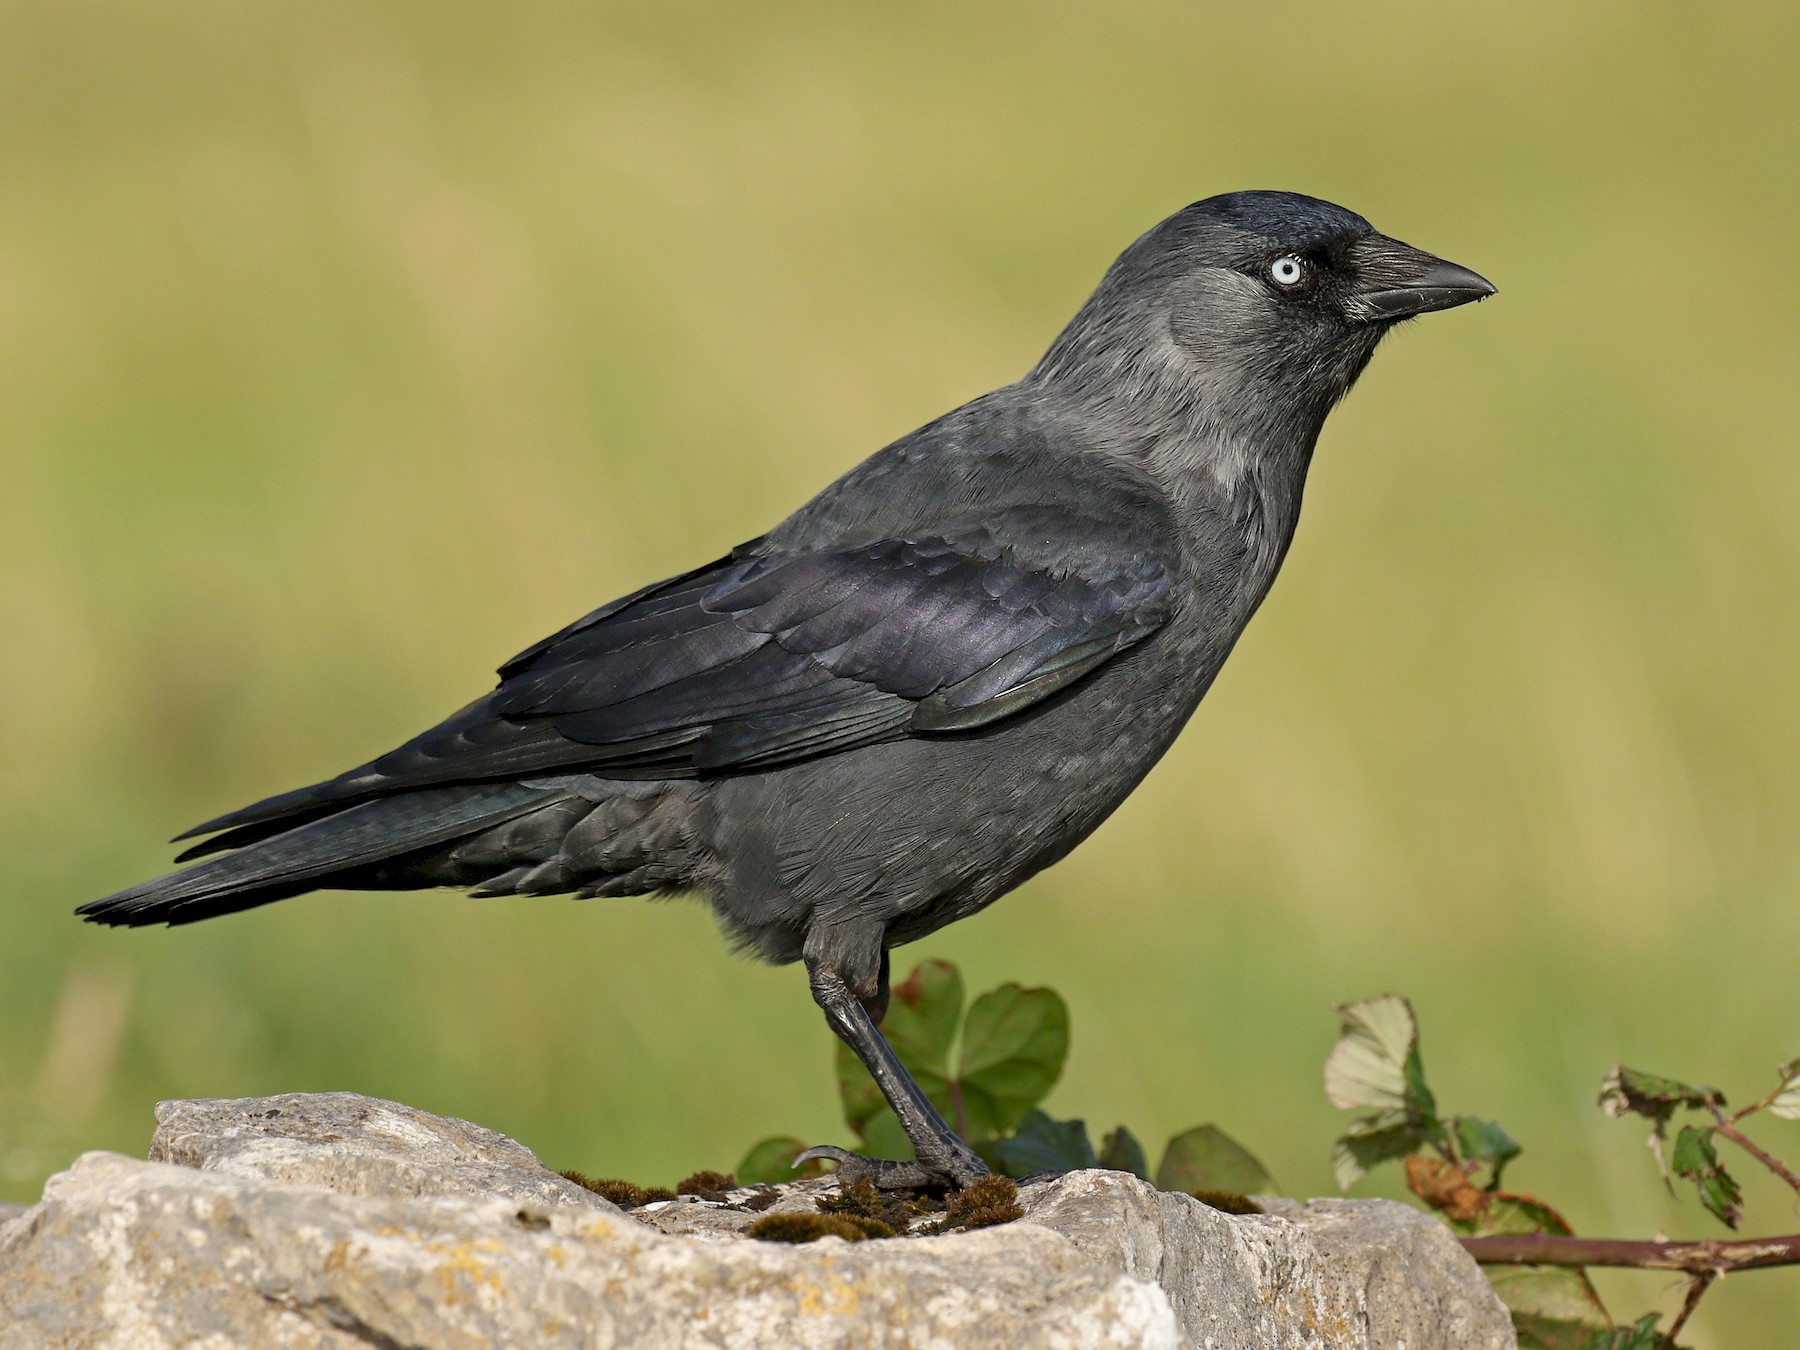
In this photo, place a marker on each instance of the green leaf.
(1696, 1159)
(1506, 1215)
(1014, 1042)
(1371, 1140)
(1640, 1335)
(1483, 1141)
(1043, 1145)
(922, 1015)
(1553, 1307)
(1205, 1158)
(1420, 1103)
(1626, 1092)
(772, 1161)
(921, 1026)
(1368, 1066)
(1786, 1101)
(1121, 1152)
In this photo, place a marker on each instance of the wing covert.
(771, 657)
(765, 658)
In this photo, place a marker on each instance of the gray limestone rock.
(355, 1146)
(339, 1221)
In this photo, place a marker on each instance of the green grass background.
(346, 349)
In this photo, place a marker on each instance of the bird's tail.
(359, 846)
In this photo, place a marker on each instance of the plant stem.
(1768, 1160)
(1697, 1258)
(1697, 1286)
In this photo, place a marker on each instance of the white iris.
(1286, 271)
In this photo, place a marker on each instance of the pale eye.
(1287, 271)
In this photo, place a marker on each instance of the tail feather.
(310, 854)
(270, 811)
(241, 836)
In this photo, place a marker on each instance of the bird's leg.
(939, 1157)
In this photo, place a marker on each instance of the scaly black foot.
(940, 1159)
(953, 1171)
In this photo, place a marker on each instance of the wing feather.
(765, 658)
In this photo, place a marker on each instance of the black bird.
(929, 682)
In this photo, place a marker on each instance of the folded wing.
(766, 658)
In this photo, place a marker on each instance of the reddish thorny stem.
(1696, 1258)
(1697, 1286)
(1727, 1126)
(1703, 1261)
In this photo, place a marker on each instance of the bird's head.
(1252, 305)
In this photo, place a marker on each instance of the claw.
(828, 1153)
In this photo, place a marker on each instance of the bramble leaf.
(1014, 1042)
(1420, 1102)
(1371, 1140)
(1483, 1141)
(1626, 1092)
(1695, 1158)
(1640, 1335)
(1043, 1145)
(1121, 1152)
(1553, 1307)
(1508, 1212)
(922, 1015)
(1367, 1068)
(1205, 1158)
(1786, 1101)
(1446, 1188)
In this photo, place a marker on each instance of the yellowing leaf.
(1371, 1140)
(1367, 1067)
(1786, 1101)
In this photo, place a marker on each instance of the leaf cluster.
(1376, 1066)
(987, 1065)
(1695, 1155)
(1454, 1164)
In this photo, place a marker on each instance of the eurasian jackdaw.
(929, 682)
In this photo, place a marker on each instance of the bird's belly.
(919, 833)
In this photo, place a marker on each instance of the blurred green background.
(346, 349)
